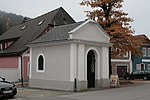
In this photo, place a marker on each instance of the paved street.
(36, 94)
(141, 92)
(138, 92)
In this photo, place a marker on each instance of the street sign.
(114, 81)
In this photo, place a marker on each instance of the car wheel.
(144, 78)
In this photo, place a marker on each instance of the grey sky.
(138, 10)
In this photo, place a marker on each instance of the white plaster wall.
(73, 61)
(81, 62)
(66, 62)
(56, 62)
(105, 63)
(78, 62)
(10, 74)
(91, 32)
(102, 63)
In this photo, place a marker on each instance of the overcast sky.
(138, 10)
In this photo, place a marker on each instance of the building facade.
(71, 57)
(121, 65)
(142, 62)
(14, 54)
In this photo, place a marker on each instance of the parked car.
(7, 89)
(145, 75)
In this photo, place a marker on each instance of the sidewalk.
(19, 84)
(27, 93)
(125, 83)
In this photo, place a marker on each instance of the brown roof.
(32, 29)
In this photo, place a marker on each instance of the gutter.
(21, 70)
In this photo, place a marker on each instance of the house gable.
(90, 31)
(33, 29)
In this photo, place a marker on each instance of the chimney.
(24, 20)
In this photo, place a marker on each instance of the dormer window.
(5, 45)
(41, 22)
(23, 27)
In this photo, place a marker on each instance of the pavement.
(138, 92)
(135, 83)
(27, 93)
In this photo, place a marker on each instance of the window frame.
(37, 63)
(148, 66)
(126, 54)
(144, 51)
(148, 52)
(140, 66)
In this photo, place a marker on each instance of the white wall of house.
(56, 62)
(10, 74)
(91, 37)
(124, 61)
(91, 32)
(67, 61)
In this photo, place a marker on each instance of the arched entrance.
(91, 69)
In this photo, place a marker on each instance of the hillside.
(7, 20)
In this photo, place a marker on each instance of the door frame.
(97, 65)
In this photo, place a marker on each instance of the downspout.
(21, 70)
